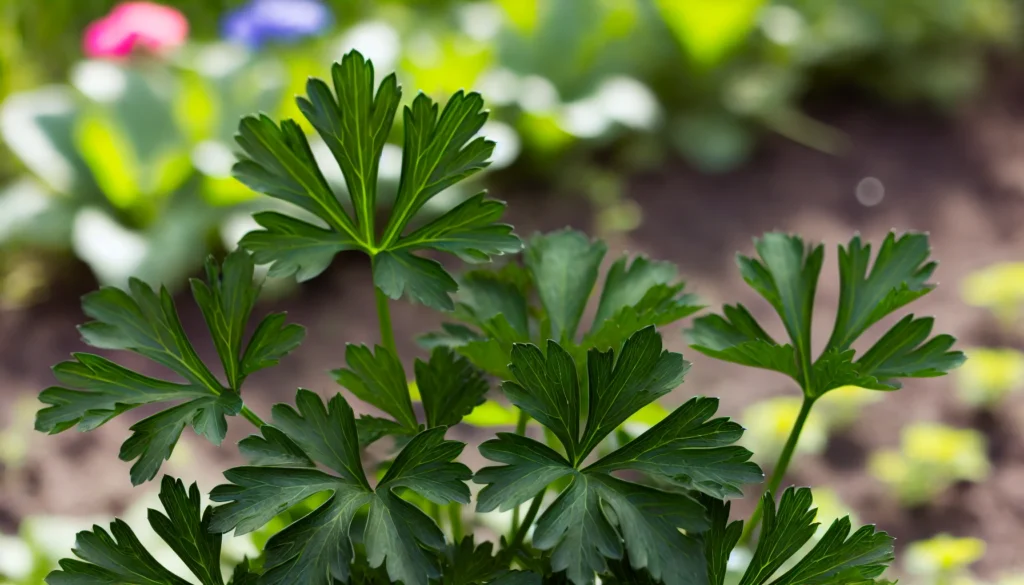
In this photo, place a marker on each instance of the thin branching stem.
(779, 471)
(252, 417)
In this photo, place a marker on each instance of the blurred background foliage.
(123, 156)
(116, 144)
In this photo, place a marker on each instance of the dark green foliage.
(145, 322)
(786, 275)
(440, 149)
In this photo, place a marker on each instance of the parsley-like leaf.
(597, 516)
(318, 548)
(840, 557)
(145, 322)
(119, 557)
(448, 385)
(562, 268)
(786, 275)
(440, 149)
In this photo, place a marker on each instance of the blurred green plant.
(930, 459)
(989, 376)
(998, 288)
(943, 559)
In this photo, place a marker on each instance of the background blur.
(676, 128)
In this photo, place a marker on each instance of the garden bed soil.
(962, 180)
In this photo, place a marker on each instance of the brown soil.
(960, 180)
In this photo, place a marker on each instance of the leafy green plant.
(646, 507)
(785, 273)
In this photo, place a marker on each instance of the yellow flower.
(999, 287)
(769, 423)
(990, 374)
(943, 554)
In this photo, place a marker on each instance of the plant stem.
(387, 332)
(252, 417)
(521, 423)
(455, 519)
(517, 539)
(779, 471)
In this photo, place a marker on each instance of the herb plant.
(646, 509)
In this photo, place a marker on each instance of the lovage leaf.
(598, 517)
(145, 322)
(318, 548)
(119, 557)
(838, 558)
(786, 274)
(440, 149)
(562, 267)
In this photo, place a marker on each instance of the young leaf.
(144, 322)
(119, 557)
(318, 548)
(838, 558)
(597, 516)
(563, 268)
(786, 274)
(354, 122)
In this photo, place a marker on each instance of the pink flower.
(135, 25)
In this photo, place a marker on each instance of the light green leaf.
(292, 246)
(424, 280)
(564, 267)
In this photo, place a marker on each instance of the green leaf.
(838, 557)
(450, 387)
(786, 275)
(425, 281)
(564, 267)
(119, 556)
(142, 321)
(355, 126)
(378, 378)
(318, 548)
(598, 517)
(720, 539)
(292, 246)
(440, 149)
(471, 564)
(897, 278)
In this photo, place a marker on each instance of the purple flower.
(262, 21)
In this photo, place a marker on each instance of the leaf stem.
(387, 332)
(521, 423)
(252, 417)
(779, 471)
(455, 519)
(520, 534)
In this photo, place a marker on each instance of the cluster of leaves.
(545, 298)
(653, 510)
(786, 275)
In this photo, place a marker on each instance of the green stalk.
(387, 332)
(455, 519)
(521, 423)
(779, 471)
(517, 538)
(252, 417)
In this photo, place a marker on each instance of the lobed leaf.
(318, 548)
(786, 275)
(598, 517)
(119, 557)
(142, 321)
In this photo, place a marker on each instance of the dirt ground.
(962, 180)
